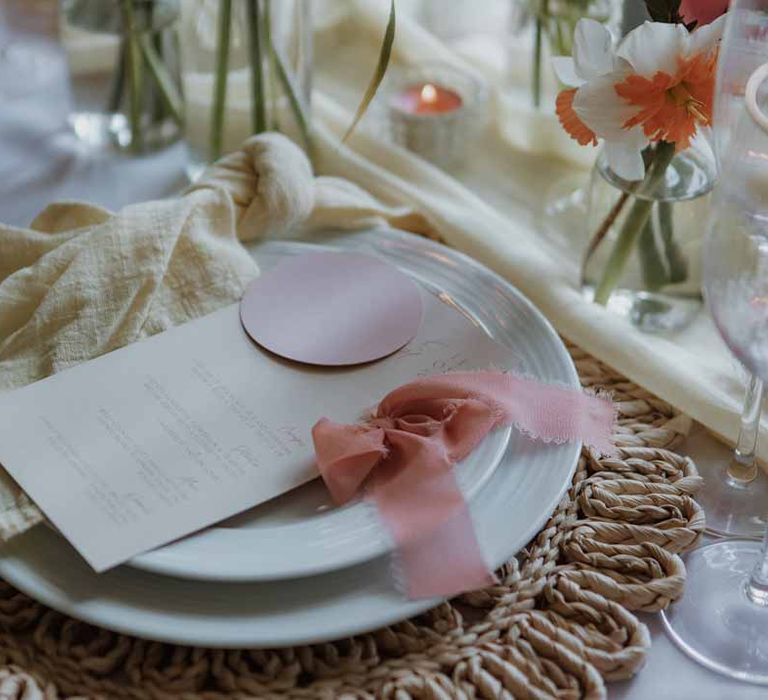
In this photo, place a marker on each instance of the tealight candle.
(427, 98)
(432, 113)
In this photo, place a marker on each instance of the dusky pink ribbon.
(403, 458)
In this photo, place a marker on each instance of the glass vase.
(247, 68)
(124, 72)
(643, 239)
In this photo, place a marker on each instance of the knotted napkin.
(403, 457)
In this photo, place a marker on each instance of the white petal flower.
(601, 109)
(656, 86)
(593, 53)
(654, 47)
(626, 157)
(565, 70)
(707, 36)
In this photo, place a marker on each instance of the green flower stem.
(134, 66)
(630, 232)
(602, 232)
(255, 35)
(633, 225)
(537, 53)
(118, 79)
(654, 272)
(560, 35)
(222, 74)
(293, 101)
(274, 119)
(152, 37)
(169, 96)
(676, 262)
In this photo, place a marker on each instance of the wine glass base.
(734, 511)
(715, 623)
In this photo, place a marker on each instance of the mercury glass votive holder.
(437, 111)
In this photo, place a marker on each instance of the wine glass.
(722, 620)
(736, 495)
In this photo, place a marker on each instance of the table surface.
(41, 161)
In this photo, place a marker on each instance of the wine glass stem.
(742, 468)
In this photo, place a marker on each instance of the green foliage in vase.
(554, 23)
(268, 67)
(142, 79)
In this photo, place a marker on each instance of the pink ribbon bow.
(404, 456)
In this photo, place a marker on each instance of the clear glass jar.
(643, 240)
(247, 68)
(124, 72)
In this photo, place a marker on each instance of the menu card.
(171, 434)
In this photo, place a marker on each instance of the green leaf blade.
(255, 48)
(169, 94)
(378, 75)
(222, 73)
(293, 100)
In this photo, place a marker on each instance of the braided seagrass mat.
(559, 624)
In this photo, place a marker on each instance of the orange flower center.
(680, 96)
(672, 106)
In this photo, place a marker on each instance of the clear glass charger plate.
(510, 505)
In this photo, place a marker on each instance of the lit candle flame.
(429, 93)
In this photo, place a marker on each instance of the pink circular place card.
(332, 309)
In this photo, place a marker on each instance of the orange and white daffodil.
(657, 85)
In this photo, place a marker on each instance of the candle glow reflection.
(429, 93)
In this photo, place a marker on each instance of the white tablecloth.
(41, 161)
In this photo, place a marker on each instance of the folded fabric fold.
(403, 457)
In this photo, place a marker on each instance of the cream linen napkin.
(502, 227)
(82, 281)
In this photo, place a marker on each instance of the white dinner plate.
(517, 499)
(302, 533)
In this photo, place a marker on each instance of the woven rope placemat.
(559, 624)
